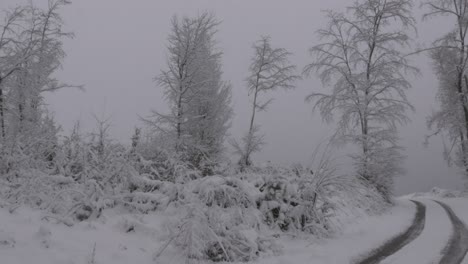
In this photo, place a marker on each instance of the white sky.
(120, 46)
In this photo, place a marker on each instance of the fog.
(120, 46)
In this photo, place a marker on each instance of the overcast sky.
(120, 46)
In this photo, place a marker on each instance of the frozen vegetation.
(236, 217)
(176, 195)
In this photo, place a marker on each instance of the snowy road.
(443, 239)
(419, 232)
(398, 242)
(457, 247)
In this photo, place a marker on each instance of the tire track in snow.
(457, 246)
(393, 245)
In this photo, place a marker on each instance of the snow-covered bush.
(89, 172)
(233, 218)
(314, 201)
(32, 147)
(288, 199)
(220, 222)
(155, 156)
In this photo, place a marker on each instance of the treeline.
(177, 161)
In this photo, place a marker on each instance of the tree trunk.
(179, 117)
(179, 121)
(462, 94)
(463, 134)
(254, 110)
(2, 113)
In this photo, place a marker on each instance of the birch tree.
(361, 61)
(199, 100)
(269, 70)
(450, 56)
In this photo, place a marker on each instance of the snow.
(373, 231)
(369, 232)
(25, 238)
(436, 192)
(120, 237)
(460, 207)
(428, 246)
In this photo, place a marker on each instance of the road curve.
(457, 246)
(393, 245)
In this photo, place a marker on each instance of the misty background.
(121, 45)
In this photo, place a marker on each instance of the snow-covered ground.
(460, 207)
(427, 247)
(357, 239)
(374, 231)
(25, 237)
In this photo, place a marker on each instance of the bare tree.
(270, 70)
(450, 57)
(361, 61)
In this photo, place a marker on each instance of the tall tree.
(270, 70)
(10, 57)
(34, 75)
(199, 100)
(32, 51)
(361, 61)
(450, 57)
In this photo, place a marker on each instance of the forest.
(188, 183)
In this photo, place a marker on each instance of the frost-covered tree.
(34, 75)
(199, 100)
(32, 49)
(209, 112)
(270, 70)
(361, 61)
(11, 56)
(450, 57)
